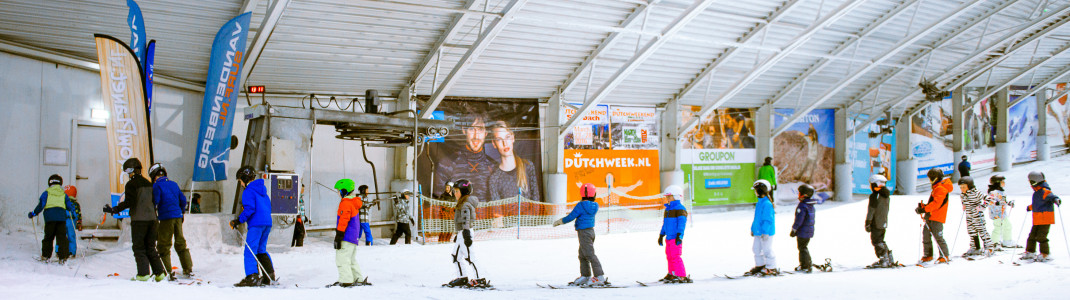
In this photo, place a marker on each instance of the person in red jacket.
(1043, 208)
(347, 236)
(934, 213)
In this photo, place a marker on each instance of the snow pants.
(763, 251)
(346, 259)
(975, 226)
(72, 239)
(171, 231)
(588, 260)
(804, 252)
(933, 230)
(402, 228)
(256, 240)
(143, 236)
(1038, 235)
(462, 256)
(672, 254)
(1001, 232)
(366, 231)
(55, 231)
(876, 237)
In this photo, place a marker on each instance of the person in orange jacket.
(347, 236)
(934, 213)
(1043, 208)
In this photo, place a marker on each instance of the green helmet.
(345, 186)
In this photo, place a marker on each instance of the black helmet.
(157, 170)
(967, 180)
(996, 179)
(132, 165)
(362, 188)
(964, 157)
(935, 174)
(246, 174)
(464, 186)
(806, 190)
(1035, 177)
(54, 180)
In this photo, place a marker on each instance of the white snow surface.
(715, 244)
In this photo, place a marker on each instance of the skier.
(768, 172)
(763, 229)
(365, 226)
(973, 203)
(999, 210)
(465, 216)
(256, 211)
(402, 218)
(143, 227)
(584, 213)
(74, 221)
(803, 228)
(934, 213)
(964, 167)
(346, 237)
(673, 226)
(56, 205)
(877, 222)
(195, 208)
(1043, 209)
(170, 204)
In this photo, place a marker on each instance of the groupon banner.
(979, 136)
(1023, 125)
(804, 153)
(873, 150)
(220, 94)
(1058, 114)
(128, 128)
(591, 131)
(719, 176)
(930, 139)
(620, 177)
(634, 127)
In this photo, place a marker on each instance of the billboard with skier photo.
(1023, 126)
(620, 177)
(873, 152)
(718, 156)
(591, 131)
(634, 127)
(979, 140)
(930, 139)
(495, 144)
(1058, 123)
(803, 153)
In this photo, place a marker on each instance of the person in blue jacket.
(170, 206)
(56, 205)
(763, 229)
(256, 213)
(803, 228)
(584, 214)
(673, 226)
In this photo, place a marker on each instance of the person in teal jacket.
(584, 214)
(762, 229)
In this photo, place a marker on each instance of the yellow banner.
(122, 86)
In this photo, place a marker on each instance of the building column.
(843, 178)
(404, 177)
(906, 167)
(553, 147)
(1043, 149)
(670, 147)
(958, 137)
(763, 124)
(1004, 161)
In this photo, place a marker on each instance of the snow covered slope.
(716, 244)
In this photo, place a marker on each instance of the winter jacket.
(877, 215)
(139, 200)
(973, 203)
(764, 222)
(936, 208)
(1043, 206)
(768, 172)
(256, 205)
(675, 220)
(364, 210)
(401, 210)
(464, 214)
(998, 205)
(55, 204)
(804, 218)
(583, 213)
(964, 168)
(348, 219)
(169, 200)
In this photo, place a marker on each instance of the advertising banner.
(634, 127)
(128, 127)
(1058, 114)
(590, 132)
(220, 94)
(150, 61)
(1023, 126)
(979, 136)
(872, 152)
(719, 176)
(620, 177)
(804, 153)
(727, 128)
(496, 145)
(138, 37)
(930, 139)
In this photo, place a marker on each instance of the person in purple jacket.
(803, 228)
(673, 226)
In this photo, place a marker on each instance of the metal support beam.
(267, 26)
(1041, 86)
(754, 73)
(652, 46)
(886, 56)
(248, 5)
(1021, 74)
(1058, 95)
(608, 43)
(508, 14)
(455, 27)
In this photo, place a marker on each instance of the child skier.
(464, 218)
(584, 214)
(170, 209)
(347, 236)
(933, 214)
(999, 209)
(74, 221)
(365, 226)
(673, 226)
(256, 212)
(973, 203)
(56, 205)
(143, 226)
(803, 228)
(763, 229)
(402, 218)
(1043, 209)
(877, 222)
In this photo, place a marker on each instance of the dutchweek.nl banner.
(221, 93)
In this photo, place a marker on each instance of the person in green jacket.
(768, 172)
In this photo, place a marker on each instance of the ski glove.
(558, 223)
(107, 209)
(1029, 208)
(679, 239)
(467, 237)
(920, 209)
(30, 215)
(338, 236)
(792, 234)
(234, 224)
(1058, 202)
(661, 240)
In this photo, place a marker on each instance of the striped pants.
(975, 226)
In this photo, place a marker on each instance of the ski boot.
(1028, 256)
(249, 280)
(160, 277)
(925, 260)
(972, 252)
(668, 277)
(339, 284)
(943, 260)
(141, 278)
(42, 259)
(1042, 258)
(187, 274)
(680, 279)
(806, 270)
(579, 281)
(826, 267)
(766, 272)
(457, 282)
(754, 271)
(479, 283)
(361, 282)
(597, 281)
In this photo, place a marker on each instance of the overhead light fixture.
(99, 114)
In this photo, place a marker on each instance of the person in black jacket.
(138, 198)
(877, 221)
(964, 167)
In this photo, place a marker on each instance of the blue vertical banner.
(873, 152)
(150, 53)
(137, 30)
(221, 93)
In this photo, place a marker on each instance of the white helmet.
(768, 187)
(877, 178)
(675, 191)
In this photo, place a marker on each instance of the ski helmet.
(246, 174)
(675, 191)
(54, 180)
(761, 186)
(71, 191)
(935, 175)
(464, 186)
(967, 180)
(344, 186)
(806, 190)
(877, 178)
(449, 183)
(963, 157)
(131, 165)
(996, 179)
(587, 191)
(157, 170)
(1035, 177)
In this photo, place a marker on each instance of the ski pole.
(1063, 226)
(958, 229)
(33, 223)
(1020, 231)
(103, 217)
(258, 265)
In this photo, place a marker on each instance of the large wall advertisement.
(1023, 126)
(930, 139)
(634, 127)
(979, 136)
(590, 132)
(873, 152)
(1058, 114)
(623, 166)
(804, 153)
(718, 156)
